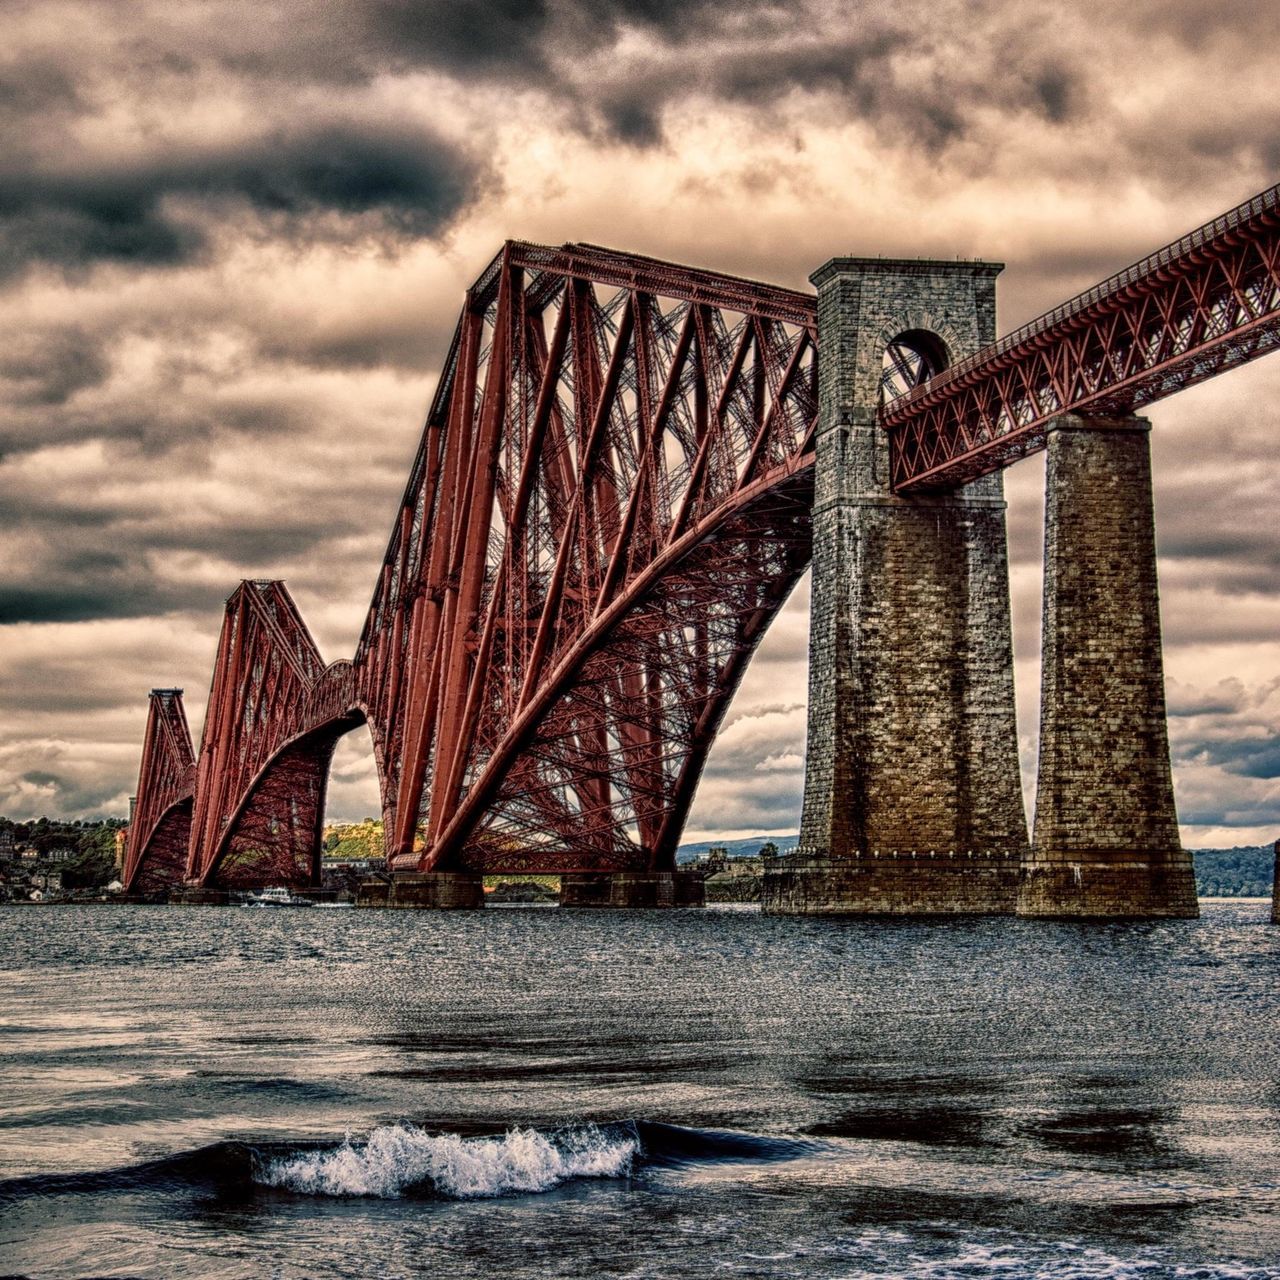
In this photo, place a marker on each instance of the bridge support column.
(1275, 889)
(1106, 830)
(432, 891)
(632, 889)
(912, 802)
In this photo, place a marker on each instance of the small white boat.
(277, 896)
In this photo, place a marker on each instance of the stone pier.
(637, 889)
(432, 891)
(1275, 889)
(1106, 832)
(194, 896)
(912, 793)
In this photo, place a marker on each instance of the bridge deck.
(1205, 303)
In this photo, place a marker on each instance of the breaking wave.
(401, 1158)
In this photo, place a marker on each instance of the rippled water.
(512, 1093)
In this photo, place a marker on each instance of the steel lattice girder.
(273, 717)
(610, 502)
(1200, 306)
(160, 825)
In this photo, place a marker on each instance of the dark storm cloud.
(1197, 26)
(411, 183)
(1055, 87)
(858, 77)
(632, 101)
(1249, 759)
(107, 562)
(746, 51)
(616, 67)
(81, 597)
(36, 85)
(180, 408)
(532, 40)
(416, 342)
(43, 368)
(1226, 698)
(157, 419)
(1261, 814)
(84, 685)
(65, 795)
(74, 583)
(1252, 554)
(498, 37)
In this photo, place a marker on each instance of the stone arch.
(916, 347)
(922, 320)
(909, 360)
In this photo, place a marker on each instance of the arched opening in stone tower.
(910, 360)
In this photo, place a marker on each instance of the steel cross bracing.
(1200, 306)
(610, 504)
(160, 825)
(275, 712)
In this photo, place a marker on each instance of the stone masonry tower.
(1106, 830)
(913, 801)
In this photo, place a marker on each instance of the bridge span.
(626, 467)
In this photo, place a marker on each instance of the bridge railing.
(1185, 312)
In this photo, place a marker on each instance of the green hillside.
(350, 841)
(1234, 873)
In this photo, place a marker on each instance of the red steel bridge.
(611, 501)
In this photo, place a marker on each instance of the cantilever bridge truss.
(611, 501)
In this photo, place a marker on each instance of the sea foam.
(395, 1158)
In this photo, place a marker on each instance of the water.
(522, 1093)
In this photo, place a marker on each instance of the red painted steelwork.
(610, 503)
(274, 715)
(160, 826)
(1200, 306)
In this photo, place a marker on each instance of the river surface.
(530, 1092)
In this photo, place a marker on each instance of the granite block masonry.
(632, 889)
(1275, 888)
(435, 890)
(912, 801)
(1106, 831)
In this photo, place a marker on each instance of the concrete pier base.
(637, 889)
(1275, 889)
(1106, 839)
(192, 896)
(1108, 884)
(435, 891)
(894, 883)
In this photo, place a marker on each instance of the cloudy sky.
(234, 238)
